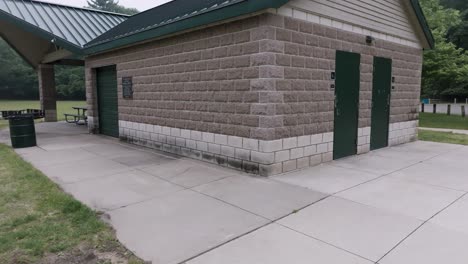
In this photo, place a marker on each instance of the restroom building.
(263, 86)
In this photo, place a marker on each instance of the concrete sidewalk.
(405, 204)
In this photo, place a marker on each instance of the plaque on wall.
(127, 87)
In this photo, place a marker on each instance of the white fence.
(455, 109)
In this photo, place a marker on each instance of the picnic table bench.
(80, 118)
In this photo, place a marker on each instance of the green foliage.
(18, 80)
(111, 6)
(458, 34)
(445, 69)
(443, 137)
(443, 121)
(457, 4)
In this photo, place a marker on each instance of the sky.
(138, 4)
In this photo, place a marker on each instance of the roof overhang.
(237, 9)
(423, 23)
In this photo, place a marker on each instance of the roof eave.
(40, 32)
(229, 12)
(423, 22)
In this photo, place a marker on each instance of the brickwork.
(261, 79)
(251, 155)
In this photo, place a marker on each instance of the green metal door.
(382, 85)
(346, 104)
(106, 78)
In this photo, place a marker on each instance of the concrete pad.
(404, 197)
(454, 160)
(455, 217)
(435, 174)
(142, 159)
(357, 228)
(430, 245)
(402, 153)
(427, 146)
(110, 151)
(275, 244)
(326, 179)
(174, 228)
(120, 190)
(263, 197)
(82, 170)
(43, 158)
(188, 173)
(71, 142)
(373, 164)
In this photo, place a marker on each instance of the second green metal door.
(106, 78)
(346, 104)
(382, 85)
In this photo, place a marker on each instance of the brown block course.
(266, 77)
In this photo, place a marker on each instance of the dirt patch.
(86, 255)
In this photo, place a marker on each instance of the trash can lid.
(20, 117)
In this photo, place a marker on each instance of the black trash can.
(22, 131)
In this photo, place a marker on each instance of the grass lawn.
(62, 107)
(443, 137)
(442, 121)
(41, 224)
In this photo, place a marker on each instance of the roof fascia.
(423, 22)
(229, 12)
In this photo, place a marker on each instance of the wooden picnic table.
(80, 116)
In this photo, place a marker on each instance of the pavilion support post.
(47, 91)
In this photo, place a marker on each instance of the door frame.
(98, 105)
(389, 99)
(357, 105)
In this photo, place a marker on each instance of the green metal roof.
(179, 15)
(176, 16)
(69, 27)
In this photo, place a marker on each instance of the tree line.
(445, 69)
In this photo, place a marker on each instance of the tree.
(456, 4)
(445, 69)
(111, 6)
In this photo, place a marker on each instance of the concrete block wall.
(260, 80)
(251, 155)
(403, 132)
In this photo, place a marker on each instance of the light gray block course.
(196, 135)
(251, 144)
(297, 153)
(289, 165)
(208, 137)
(228, 151)
(316, 139)
(303, 141)
(322, 148)
(242, 154)
(263, 158)
(235, 141)
(315, 160)
(271, 146)
(202, 146)
(281, 156)
(289, 143)
(214, 148)
(327, 137)
(221, 139)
